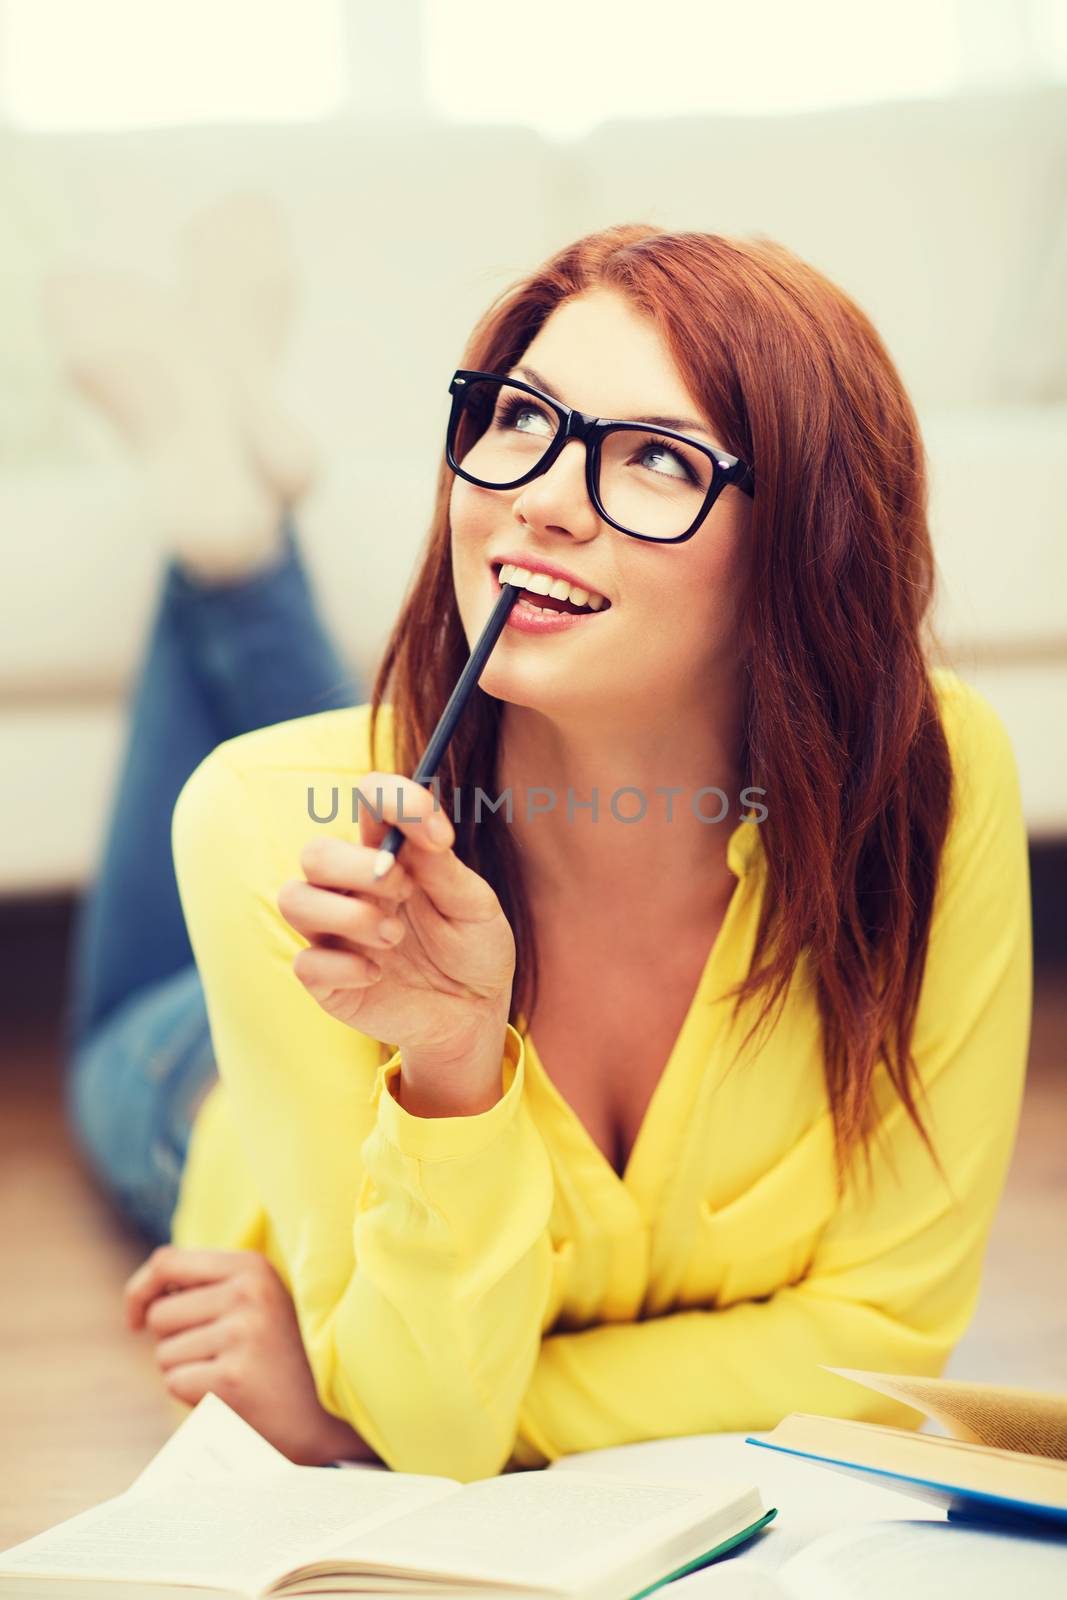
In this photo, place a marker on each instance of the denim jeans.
(221, 659)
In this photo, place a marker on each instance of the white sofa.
(946, 221)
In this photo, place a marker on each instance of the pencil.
(446, 726)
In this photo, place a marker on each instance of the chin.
(510, 687)
(544, 693)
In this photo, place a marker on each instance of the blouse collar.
(744, 847)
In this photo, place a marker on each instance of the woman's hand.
(225, 1324)
(442, 990)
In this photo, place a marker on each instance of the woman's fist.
(425, 957)
(224, 1323)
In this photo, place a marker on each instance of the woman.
(778, 1063)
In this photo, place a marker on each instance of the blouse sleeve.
(416, 1250)
(895, 1274)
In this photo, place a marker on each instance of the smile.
(539, 612)
(551, 594)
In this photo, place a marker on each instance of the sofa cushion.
(930, 213)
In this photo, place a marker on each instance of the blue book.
(961, 1505)
(1003, 1461)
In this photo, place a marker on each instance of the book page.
(234, 1535)
(212, 1442)
(925, 1561)
(808, 1504)
(540, 1528)
(730, 1582)
(883, 1561)
(979, 1413)
(219, 1505)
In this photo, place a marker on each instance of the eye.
(523, 416)
(659, 457)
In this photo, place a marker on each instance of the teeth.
(558, 588)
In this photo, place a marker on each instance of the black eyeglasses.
(649, 482)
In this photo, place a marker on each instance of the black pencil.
(446, 726)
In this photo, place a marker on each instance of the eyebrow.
(679, 424)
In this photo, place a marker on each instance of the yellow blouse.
(483, 1292)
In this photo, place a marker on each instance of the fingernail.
(390, 929)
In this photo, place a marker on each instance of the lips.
(526, 617)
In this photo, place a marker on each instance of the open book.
(840, 1537)
(220, 1512)
(1004, 1460)
(887, 1560)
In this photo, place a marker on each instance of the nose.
(558, 501)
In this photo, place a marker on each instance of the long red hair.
(840, 716)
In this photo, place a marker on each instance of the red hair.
(840, 716)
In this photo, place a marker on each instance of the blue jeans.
(221, 659)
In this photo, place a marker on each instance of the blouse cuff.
(449, 1138)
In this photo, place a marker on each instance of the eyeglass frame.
(726, 470)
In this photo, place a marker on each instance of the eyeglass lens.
(649, 483)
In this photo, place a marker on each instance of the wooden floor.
(82, 1408)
